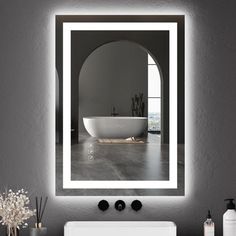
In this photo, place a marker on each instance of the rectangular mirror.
(120, 105)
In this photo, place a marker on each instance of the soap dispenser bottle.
(209, 226)
(229, 219)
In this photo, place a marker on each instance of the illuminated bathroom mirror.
(120, 105)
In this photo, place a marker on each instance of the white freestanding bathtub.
(115, 127)
(120, 228)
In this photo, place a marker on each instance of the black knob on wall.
(103, 205)
(136, 205)
(120, 205)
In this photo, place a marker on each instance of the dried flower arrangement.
(14, 210)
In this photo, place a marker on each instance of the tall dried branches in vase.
(137, 105)
(14, 210)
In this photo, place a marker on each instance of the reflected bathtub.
(115, 127)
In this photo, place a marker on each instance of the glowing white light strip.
(114, 26)
(66, 106)
(173, 96)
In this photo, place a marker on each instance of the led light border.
(121, 26)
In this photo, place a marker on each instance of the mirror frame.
(65, 24)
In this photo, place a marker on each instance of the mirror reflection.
(121, 112)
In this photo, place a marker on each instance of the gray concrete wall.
(110, 76)
(27, 97)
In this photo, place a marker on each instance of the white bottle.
(209, 226)
(229, 219)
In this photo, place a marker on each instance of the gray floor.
(95, 161)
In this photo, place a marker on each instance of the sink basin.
(120, 228)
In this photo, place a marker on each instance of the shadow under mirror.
(120, 108)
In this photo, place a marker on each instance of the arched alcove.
(159, 51)
(114, 73)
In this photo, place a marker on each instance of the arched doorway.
(154, 97)
(115, 73)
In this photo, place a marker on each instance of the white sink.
(120, 228)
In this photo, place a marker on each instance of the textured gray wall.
(27, 97)
(110, 76)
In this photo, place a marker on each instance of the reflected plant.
(137, 105)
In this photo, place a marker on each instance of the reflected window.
(154, 97)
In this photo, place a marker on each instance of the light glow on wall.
(189, 103)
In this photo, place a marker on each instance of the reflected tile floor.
(98, 161)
